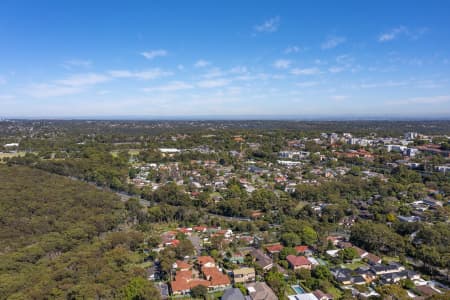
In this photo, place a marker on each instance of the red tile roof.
(182, 265)
(301, 248)
(298, 260)
(183, 275)
(186, 285)
(373, 258)
(360, 251)
(274, 248)
(215, 276)
(202, 260)
(200, 228)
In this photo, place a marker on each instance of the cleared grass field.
(9, 155)
(130, 151)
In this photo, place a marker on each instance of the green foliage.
(276, 281)
(50, 241)
(348, 254)
(241, 287)
(322, 272)
(377, 238)
(290, 239)
(184, 248)
(199, 291)
(140, 289)
(295, 231)
(286, 251)
(393, 291)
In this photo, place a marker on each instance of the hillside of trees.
(58, 240)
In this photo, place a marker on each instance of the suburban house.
(244, 275)
(387, 269)
(217, 280)
(299, 262)
(184, 281)
(260, 291)
(262, 260)
(237, 258)
(181, 265)
(304, 250)
(343, 276)
(232, 294)
(373, 259)
(206, 261)
(322, 296)
(361, 252)
(274, 249)
(396, 277)
(304, 296)
(209, 276)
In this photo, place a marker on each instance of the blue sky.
(211, 58)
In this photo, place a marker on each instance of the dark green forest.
(60, 241)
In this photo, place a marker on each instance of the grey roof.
(261, 259)
(233, 294)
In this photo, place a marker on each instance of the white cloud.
(170, 87)
(399, 31)
(46, 90)
(307, 71)
(307, 84)
(333, 42)
(201, 63)
(345, 59)
(234, 90)
(336, 69)
(428, 84)
(292, 49)
(392, 34)
(339, 97)
(2, 80)
(143, 75)
(68, 86)
(270, 25)
(423, 100)
(83, 79)
(389, 83)
(431, 100)
(154, 53)
(282, 64)
(213, 83)
(320, 62)
(7, 97)
(103, 92)
(238, 70)
(73, 63)
(213, 73)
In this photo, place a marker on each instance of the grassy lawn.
(290, 291)
(335, 292)
(133, 152)
(211, 296)
(300, 205)
(390, 259)
(145, 265)
(163, 227)
(9, 155)
(15, 154)
(354, 265)
(214, 194)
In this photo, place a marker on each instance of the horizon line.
(226, 117)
